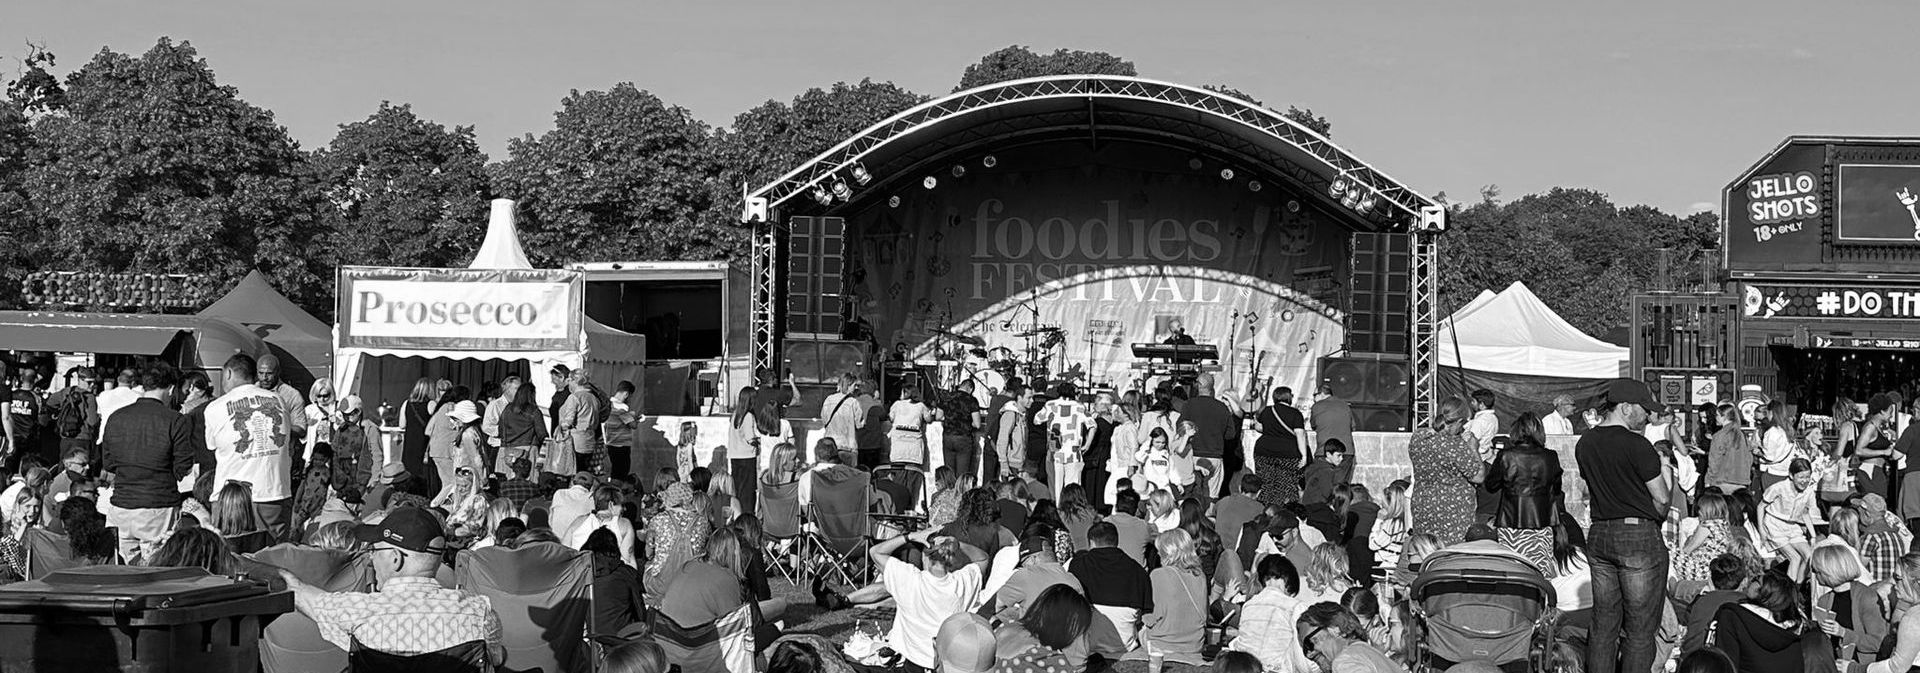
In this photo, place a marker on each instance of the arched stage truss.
(898, 151)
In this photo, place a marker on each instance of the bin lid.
(124, 589)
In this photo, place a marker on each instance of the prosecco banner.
(460, 309)
(1112, 247)
(1850, 302)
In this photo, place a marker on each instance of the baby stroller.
(1480, 601)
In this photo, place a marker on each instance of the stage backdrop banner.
(460, 309)
(1114, 246)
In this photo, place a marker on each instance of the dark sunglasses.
(1306, 642)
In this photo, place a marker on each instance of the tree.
(773, 138)
(1018, 62)
(403, 191)
(622, 175)
(148, 164)
(1582, 255)
(1303, 117)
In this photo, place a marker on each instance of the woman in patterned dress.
(1446, 468)
(1713, 538)
(1526, 475)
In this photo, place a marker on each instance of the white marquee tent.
(1513, 332)
(387, 374)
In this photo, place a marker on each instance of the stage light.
(959, 170)
(1226, 174)
(841, 190)
(893, 202)
(930, 182)
(1195, 163)
(1253, 185)
(820, 194)
(1338, 188)
(989, 161)
(1367, 204)
(861, 175)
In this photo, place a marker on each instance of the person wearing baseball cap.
(1627, 487)
(409, 613)
(965, 644)
(1038, 569)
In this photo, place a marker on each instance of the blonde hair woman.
(1390, 530)
(1161, 511)
(1325, 579)
(1174, 628)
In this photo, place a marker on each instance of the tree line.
(148, 164)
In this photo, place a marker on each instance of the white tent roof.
(1513, 332)
(501, 249)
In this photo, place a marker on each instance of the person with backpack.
(76, 416)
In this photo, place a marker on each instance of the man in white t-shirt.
(1560, 422)
(125, 391)
(946, 581)
(247, 429)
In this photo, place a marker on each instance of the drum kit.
(1041, 340)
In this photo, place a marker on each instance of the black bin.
(123, 618)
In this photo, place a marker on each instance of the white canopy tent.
(388, 373)
(1513, 332)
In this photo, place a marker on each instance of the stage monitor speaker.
(817, 361)
(1375, 418)
(1364, 380)
(812, 397)
(816, 268)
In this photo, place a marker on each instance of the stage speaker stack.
(816, 365)
(1378, 389)
(816, 266)
(1380, 320)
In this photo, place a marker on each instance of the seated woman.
(196, 548)
(605, 516)
(771, 609)
(1174, 627)
(24, 515)
(1762, 634)
(617, 600)
(691, 620)
(89, 542)
(234, 519)
(1039, 641)
(1855, 611)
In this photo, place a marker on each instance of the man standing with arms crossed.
(1627, 489)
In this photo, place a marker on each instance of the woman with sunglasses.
(1332, 637)
(1905, 598)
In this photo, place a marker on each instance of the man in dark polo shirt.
(1627, 490)
(147, 447)
(1217, 430)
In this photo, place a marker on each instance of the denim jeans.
(1629, 581)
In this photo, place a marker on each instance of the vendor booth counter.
(123, 618)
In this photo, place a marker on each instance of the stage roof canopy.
(899, 151)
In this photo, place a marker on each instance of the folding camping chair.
(543, 593)
(780, 521)
(905, 478)
(467, 657)
(842, 530)
(48, 551)
(291, 643)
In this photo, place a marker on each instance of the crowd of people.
(159, 469)
(1094, 528)
(1060, 531)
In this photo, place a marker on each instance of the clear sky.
(1652, 102)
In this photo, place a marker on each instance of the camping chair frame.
(820, 559)
(785, 554)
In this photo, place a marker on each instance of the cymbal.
(1043, 330)
(962, 338)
